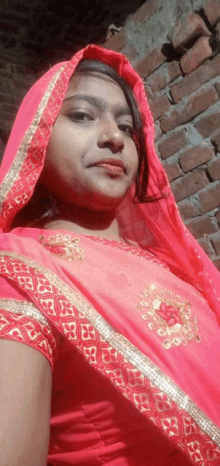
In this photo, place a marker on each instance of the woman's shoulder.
(19, 235)
(22, 242)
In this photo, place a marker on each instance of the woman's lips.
(115, 169)
(114, 166)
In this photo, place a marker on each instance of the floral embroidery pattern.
(169, 316)
(63, 246)
(24, 329)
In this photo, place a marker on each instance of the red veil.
(155, 226)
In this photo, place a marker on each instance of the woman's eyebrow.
(99, 103)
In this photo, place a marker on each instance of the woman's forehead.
(79, 75)
(95, 83)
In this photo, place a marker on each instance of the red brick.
(172, 144)
(201, 226)
(9, 28)
(212, 10)
(189, 184)
(173, 171)
(217, 29)
(6, 98)
(6, 125)
(158, 131)
(14, 17)
(2, 145)
(216, 243)
(208, 124)
(130, 52)
(116, 42)
(195, 156)
(159, 106)
(195, 80)
(150, 62)
(4, 65)
(210, 197)
(7, 116)
(217, 264)
(194, 105)
(6, 85)
(200, 52)
(9, 108)
(205, 245)
(217, 86)
(214, 170)
(215, 139)
(188, 28)
(218, 216)
(163, 76)
(20, 69)
(188, 210)
(13, 85)
(146, 10)
(149, 94)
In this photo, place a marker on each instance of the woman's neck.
(103, 224)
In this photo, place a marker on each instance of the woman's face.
(91, 158)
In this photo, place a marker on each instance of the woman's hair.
(41, 208)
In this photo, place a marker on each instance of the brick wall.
(175, 47)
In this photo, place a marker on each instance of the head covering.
(155, 226)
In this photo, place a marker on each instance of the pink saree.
(140, 324)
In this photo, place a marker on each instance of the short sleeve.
(21, 321)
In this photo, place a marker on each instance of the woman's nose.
(111, 137)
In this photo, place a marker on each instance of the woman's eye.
(127, 129)
(80, 116)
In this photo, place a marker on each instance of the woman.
(102, 283)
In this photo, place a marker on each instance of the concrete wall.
(175, 47)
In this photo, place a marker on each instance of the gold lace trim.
(24, 308)
(127, 349)
(14, 171)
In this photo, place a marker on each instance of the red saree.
(138, 322)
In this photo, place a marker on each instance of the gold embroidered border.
(127, 349)
(16, 306)
(12, 175)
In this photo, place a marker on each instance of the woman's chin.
(104, 203)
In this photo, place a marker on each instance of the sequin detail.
(131, 372)
(63, 246)
(169, 316)
(23, 307)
